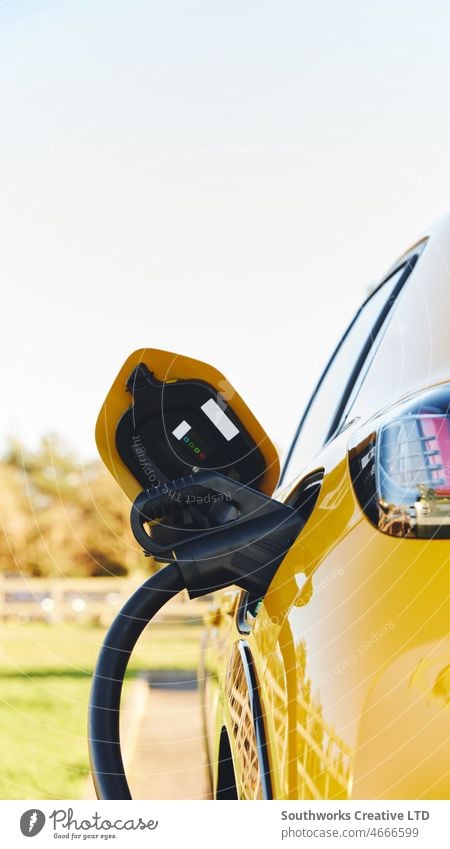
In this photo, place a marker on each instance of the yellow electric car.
(336, 684)
(325, 669)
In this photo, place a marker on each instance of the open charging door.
(167, 416)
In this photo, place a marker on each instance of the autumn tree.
(61, 517)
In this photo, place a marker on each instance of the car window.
(330, 399)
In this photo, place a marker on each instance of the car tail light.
(400, 467)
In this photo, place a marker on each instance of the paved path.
(162, 737)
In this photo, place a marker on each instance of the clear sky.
(216, 177)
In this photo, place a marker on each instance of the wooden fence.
(98, 600)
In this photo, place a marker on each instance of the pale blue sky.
(223, 179)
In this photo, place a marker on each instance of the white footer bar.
(216, 825)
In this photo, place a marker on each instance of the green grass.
(45, 673)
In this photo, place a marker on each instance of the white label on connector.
(181, 430)
(220, 419)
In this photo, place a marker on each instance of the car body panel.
(350, 646)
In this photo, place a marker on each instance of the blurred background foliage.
(60, 517)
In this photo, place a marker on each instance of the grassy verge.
(45, 673)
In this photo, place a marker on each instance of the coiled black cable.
(103, 724)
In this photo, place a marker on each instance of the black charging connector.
(235, 535)
(217, 530)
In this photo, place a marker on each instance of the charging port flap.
(167, 416)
